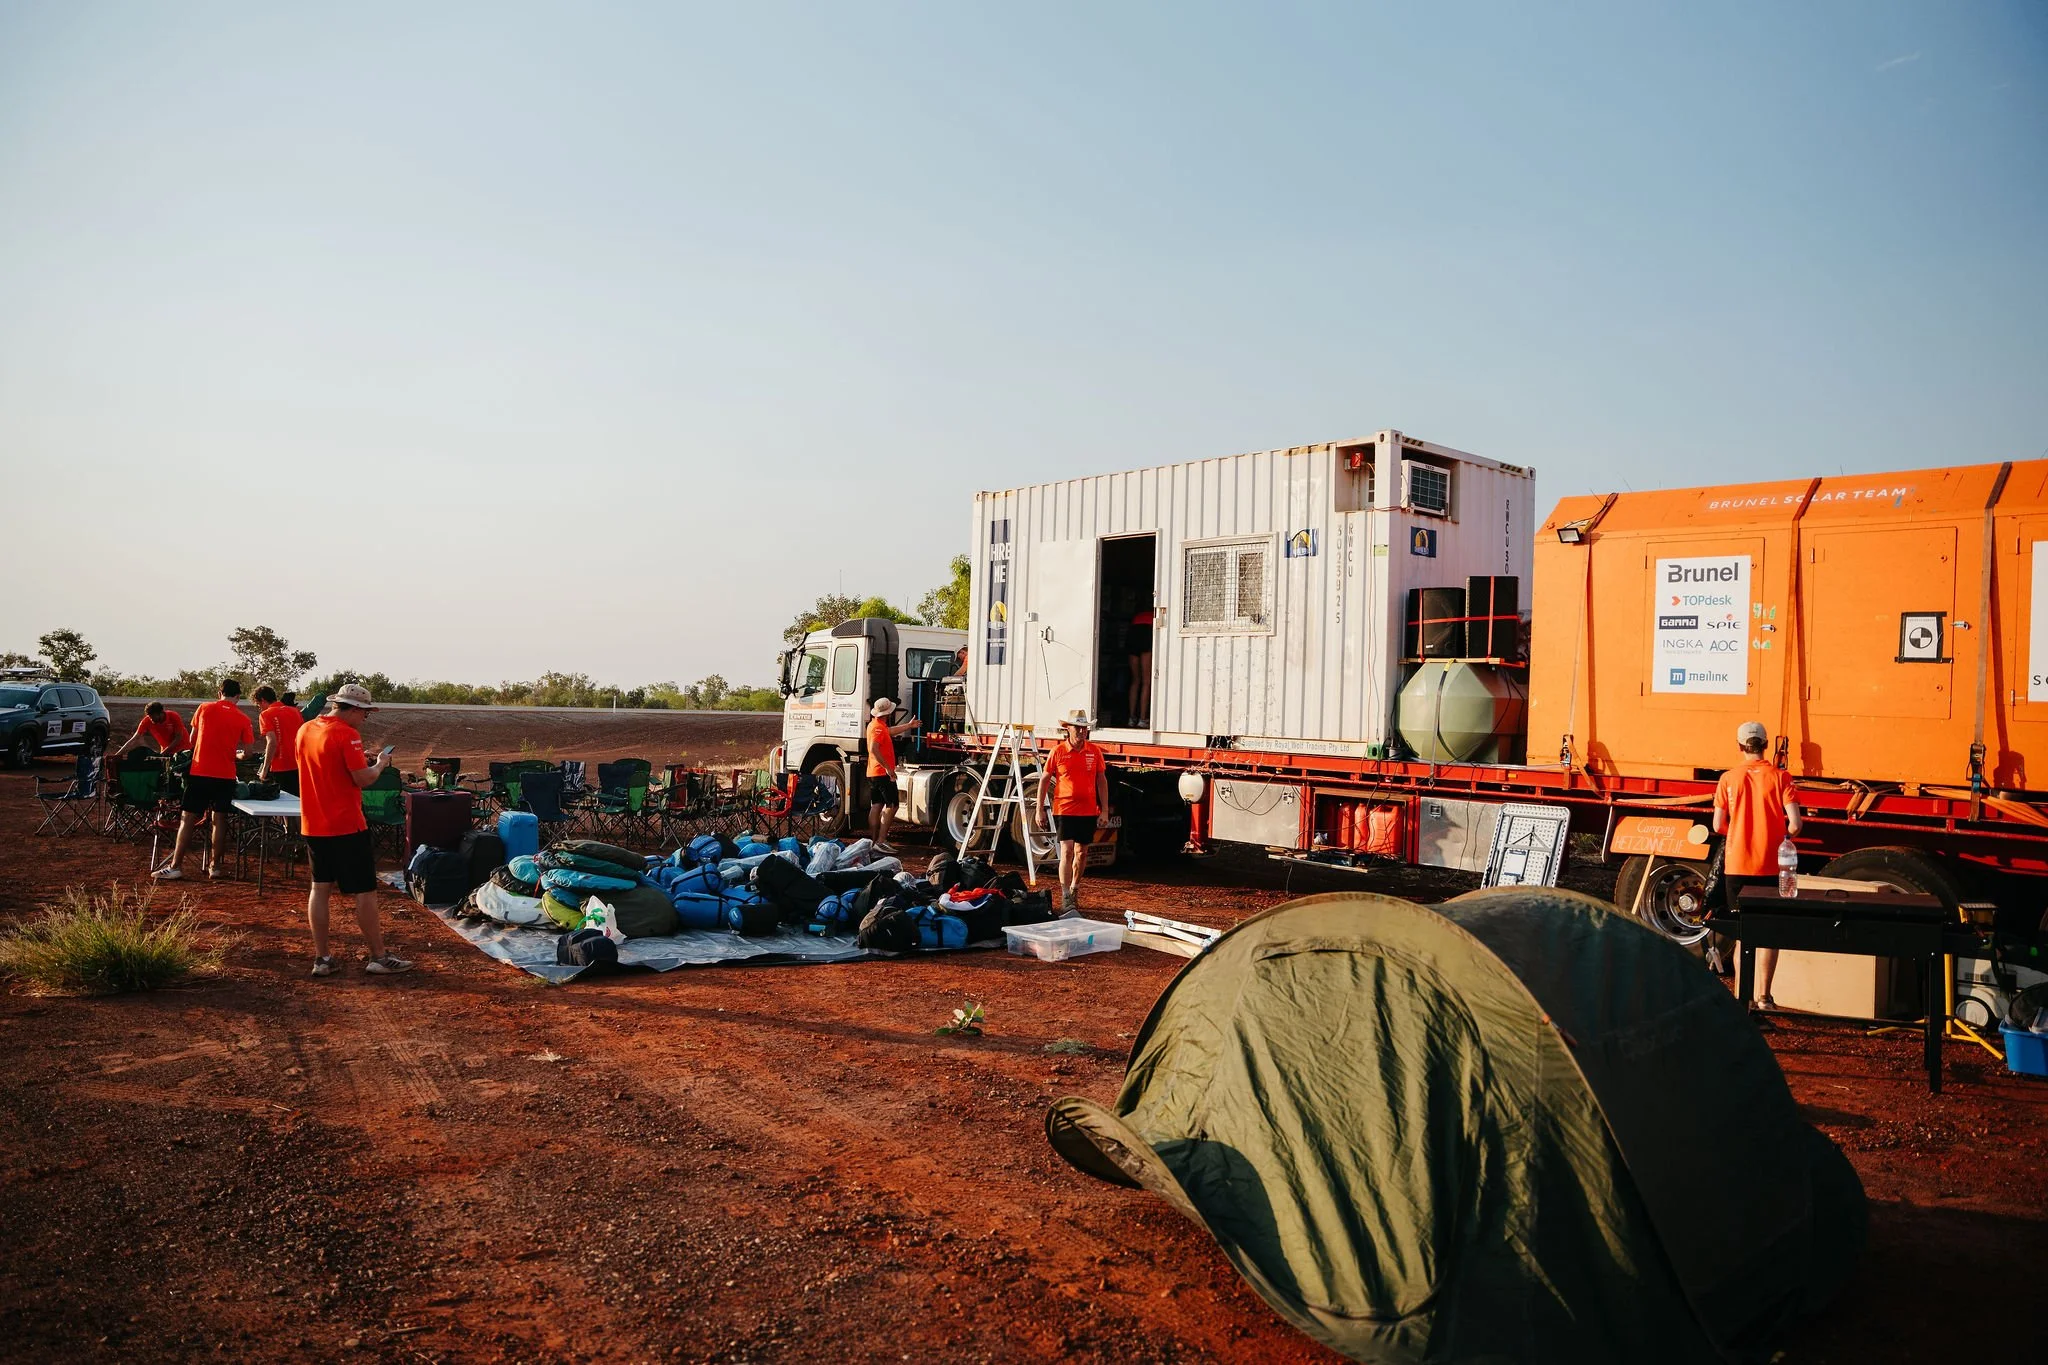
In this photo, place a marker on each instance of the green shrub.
(104, 943)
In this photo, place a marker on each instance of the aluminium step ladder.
(1001, 792)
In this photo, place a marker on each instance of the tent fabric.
(1517, 1126)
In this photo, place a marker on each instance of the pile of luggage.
(751, 886)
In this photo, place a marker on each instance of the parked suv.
(42, 717)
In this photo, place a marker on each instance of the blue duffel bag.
(705, 848)
(699, 911)
(936, 930)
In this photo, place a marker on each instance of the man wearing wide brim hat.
(882, 794)
(1074, 791)
(332, 775)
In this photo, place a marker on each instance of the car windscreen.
(17, 696)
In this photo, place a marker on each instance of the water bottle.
(1788, 868)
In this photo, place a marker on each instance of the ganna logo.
(1731, 572)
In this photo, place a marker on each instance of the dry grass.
(103, 943)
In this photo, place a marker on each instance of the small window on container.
(1227, 587)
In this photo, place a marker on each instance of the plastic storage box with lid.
(1061, 939)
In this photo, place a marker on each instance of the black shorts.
(1138, 641)
(346, 860)
(203, 794)
(287, 781)
(1075, 829)
(882, 792)
(1733, 886)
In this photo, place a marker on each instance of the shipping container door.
(2023, 595)
(1880, 621)
(1058, 616)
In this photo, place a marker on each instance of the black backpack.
(485, 852)
(943, 870)
(889, 928)
(441, 878)
(788, 888)
(752, 918)
(1031, 907)
(586, 948)
(972, 874)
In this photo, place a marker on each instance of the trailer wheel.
(1673, 900)
(1903, 869)
(1024, 825)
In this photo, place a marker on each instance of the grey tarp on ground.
(1515, 1127)
(533, 950)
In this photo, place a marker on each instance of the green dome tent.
(1515, 1127)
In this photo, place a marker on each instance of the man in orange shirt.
(882, 794)
(278, 722)
(332, 775)
(161, 728)
(1755, 809)
(219, 732)
(1075, 787)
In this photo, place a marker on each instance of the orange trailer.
(1881, 626)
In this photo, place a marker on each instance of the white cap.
(1751, 730)
(353, 694)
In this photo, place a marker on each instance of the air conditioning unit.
(1428, 488)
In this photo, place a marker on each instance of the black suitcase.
(485, 853)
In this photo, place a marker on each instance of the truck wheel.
(831, 824)
(22, 751)
(1673, 900)
(1903, 869)
(956, 812)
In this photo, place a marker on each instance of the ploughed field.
(766, 1163)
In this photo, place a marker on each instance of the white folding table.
(284, 806)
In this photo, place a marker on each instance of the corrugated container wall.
(1858, 617)
(1278, 581)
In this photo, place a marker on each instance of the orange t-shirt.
(286, 720)
(881, 748)
(330, 755)
(218, 729)
(1073, 774)
(169, 734)
(1753, 798)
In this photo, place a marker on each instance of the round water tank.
(1460, 713)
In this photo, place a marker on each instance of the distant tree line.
(258, 654)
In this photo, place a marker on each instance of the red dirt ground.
(770, 1163)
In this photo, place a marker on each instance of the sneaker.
(324, 966)
(168, 873)
(391, 964)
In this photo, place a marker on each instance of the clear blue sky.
(472, 340)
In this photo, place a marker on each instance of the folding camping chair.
(442, 774)
(135, 793)
(619, 811)
(573, 788)
(70, 804)
(384, 809)
(541, 795)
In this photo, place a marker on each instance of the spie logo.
(1677, 677)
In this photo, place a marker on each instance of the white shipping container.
(1278, 582)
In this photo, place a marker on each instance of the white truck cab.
(829, 683)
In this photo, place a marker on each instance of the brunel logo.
(1731, 572)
